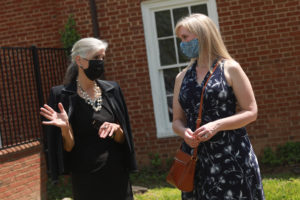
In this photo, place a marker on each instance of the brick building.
(262, 35)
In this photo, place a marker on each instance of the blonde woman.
(227, 167)
(88, 129)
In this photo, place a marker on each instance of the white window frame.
(163, 125)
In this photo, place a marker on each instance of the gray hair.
(82, 48)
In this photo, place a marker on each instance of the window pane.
(167, 52)
(169, 79)
(170, 107)
(178, 13)
(182, 57)
(163, 23)
(200, 9)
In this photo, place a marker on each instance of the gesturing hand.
(57, 119)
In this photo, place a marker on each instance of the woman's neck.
(85, 83)
(203, 64)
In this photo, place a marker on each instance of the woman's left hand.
(206, 132)
(108, 129)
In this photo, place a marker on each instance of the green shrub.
(286, 154)
(155, 160)
(269, 158)
(289, 153)
(69, 35)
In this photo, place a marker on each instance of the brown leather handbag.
(182, 171)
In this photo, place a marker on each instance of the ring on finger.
(205, 136)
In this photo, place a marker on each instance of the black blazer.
(57, 158)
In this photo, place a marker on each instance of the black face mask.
(95, 69)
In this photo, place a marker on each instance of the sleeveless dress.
(227, 166)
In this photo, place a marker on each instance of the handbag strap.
(199, 119)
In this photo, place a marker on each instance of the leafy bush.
(69, 35)
(155, 160)
(286, 154)
(158, 163)
(269, 158)
(289, 153)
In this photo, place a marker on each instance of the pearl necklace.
(97, 102)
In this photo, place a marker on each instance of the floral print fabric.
(227, 167)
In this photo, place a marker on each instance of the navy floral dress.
(227, 167)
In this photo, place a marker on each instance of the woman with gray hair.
(88, 131)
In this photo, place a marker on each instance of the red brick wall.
(264, 36)
(22, 173)
(23, 23)
(38, 22)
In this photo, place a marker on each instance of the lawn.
(280, 186)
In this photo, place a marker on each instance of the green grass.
(285, 186)
(158, 188)
(282, 186)
(165, 193)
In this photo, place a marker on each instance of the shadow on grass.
(147, 177)
(60, 190)
(282, 176)
(150, 178)
(155, 178)
(280, 172)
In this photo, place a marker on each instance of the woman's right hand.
(190, 139)
(60, 120)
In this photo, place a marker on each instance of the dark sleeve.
(54, 143)
(127, 130)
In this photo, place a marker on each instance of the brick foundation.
(22, 173)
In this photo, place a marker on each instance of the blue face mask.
(190, 49)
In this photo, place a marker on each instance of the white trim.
(163, 126)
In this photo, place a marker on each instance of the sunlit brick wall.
(264, 37)
(22, 173)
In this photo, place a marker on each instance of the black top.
(91, 153)
(97, 164)
(58, 160)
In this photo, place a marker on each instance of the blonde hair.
(82, 48)
(210, 40)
